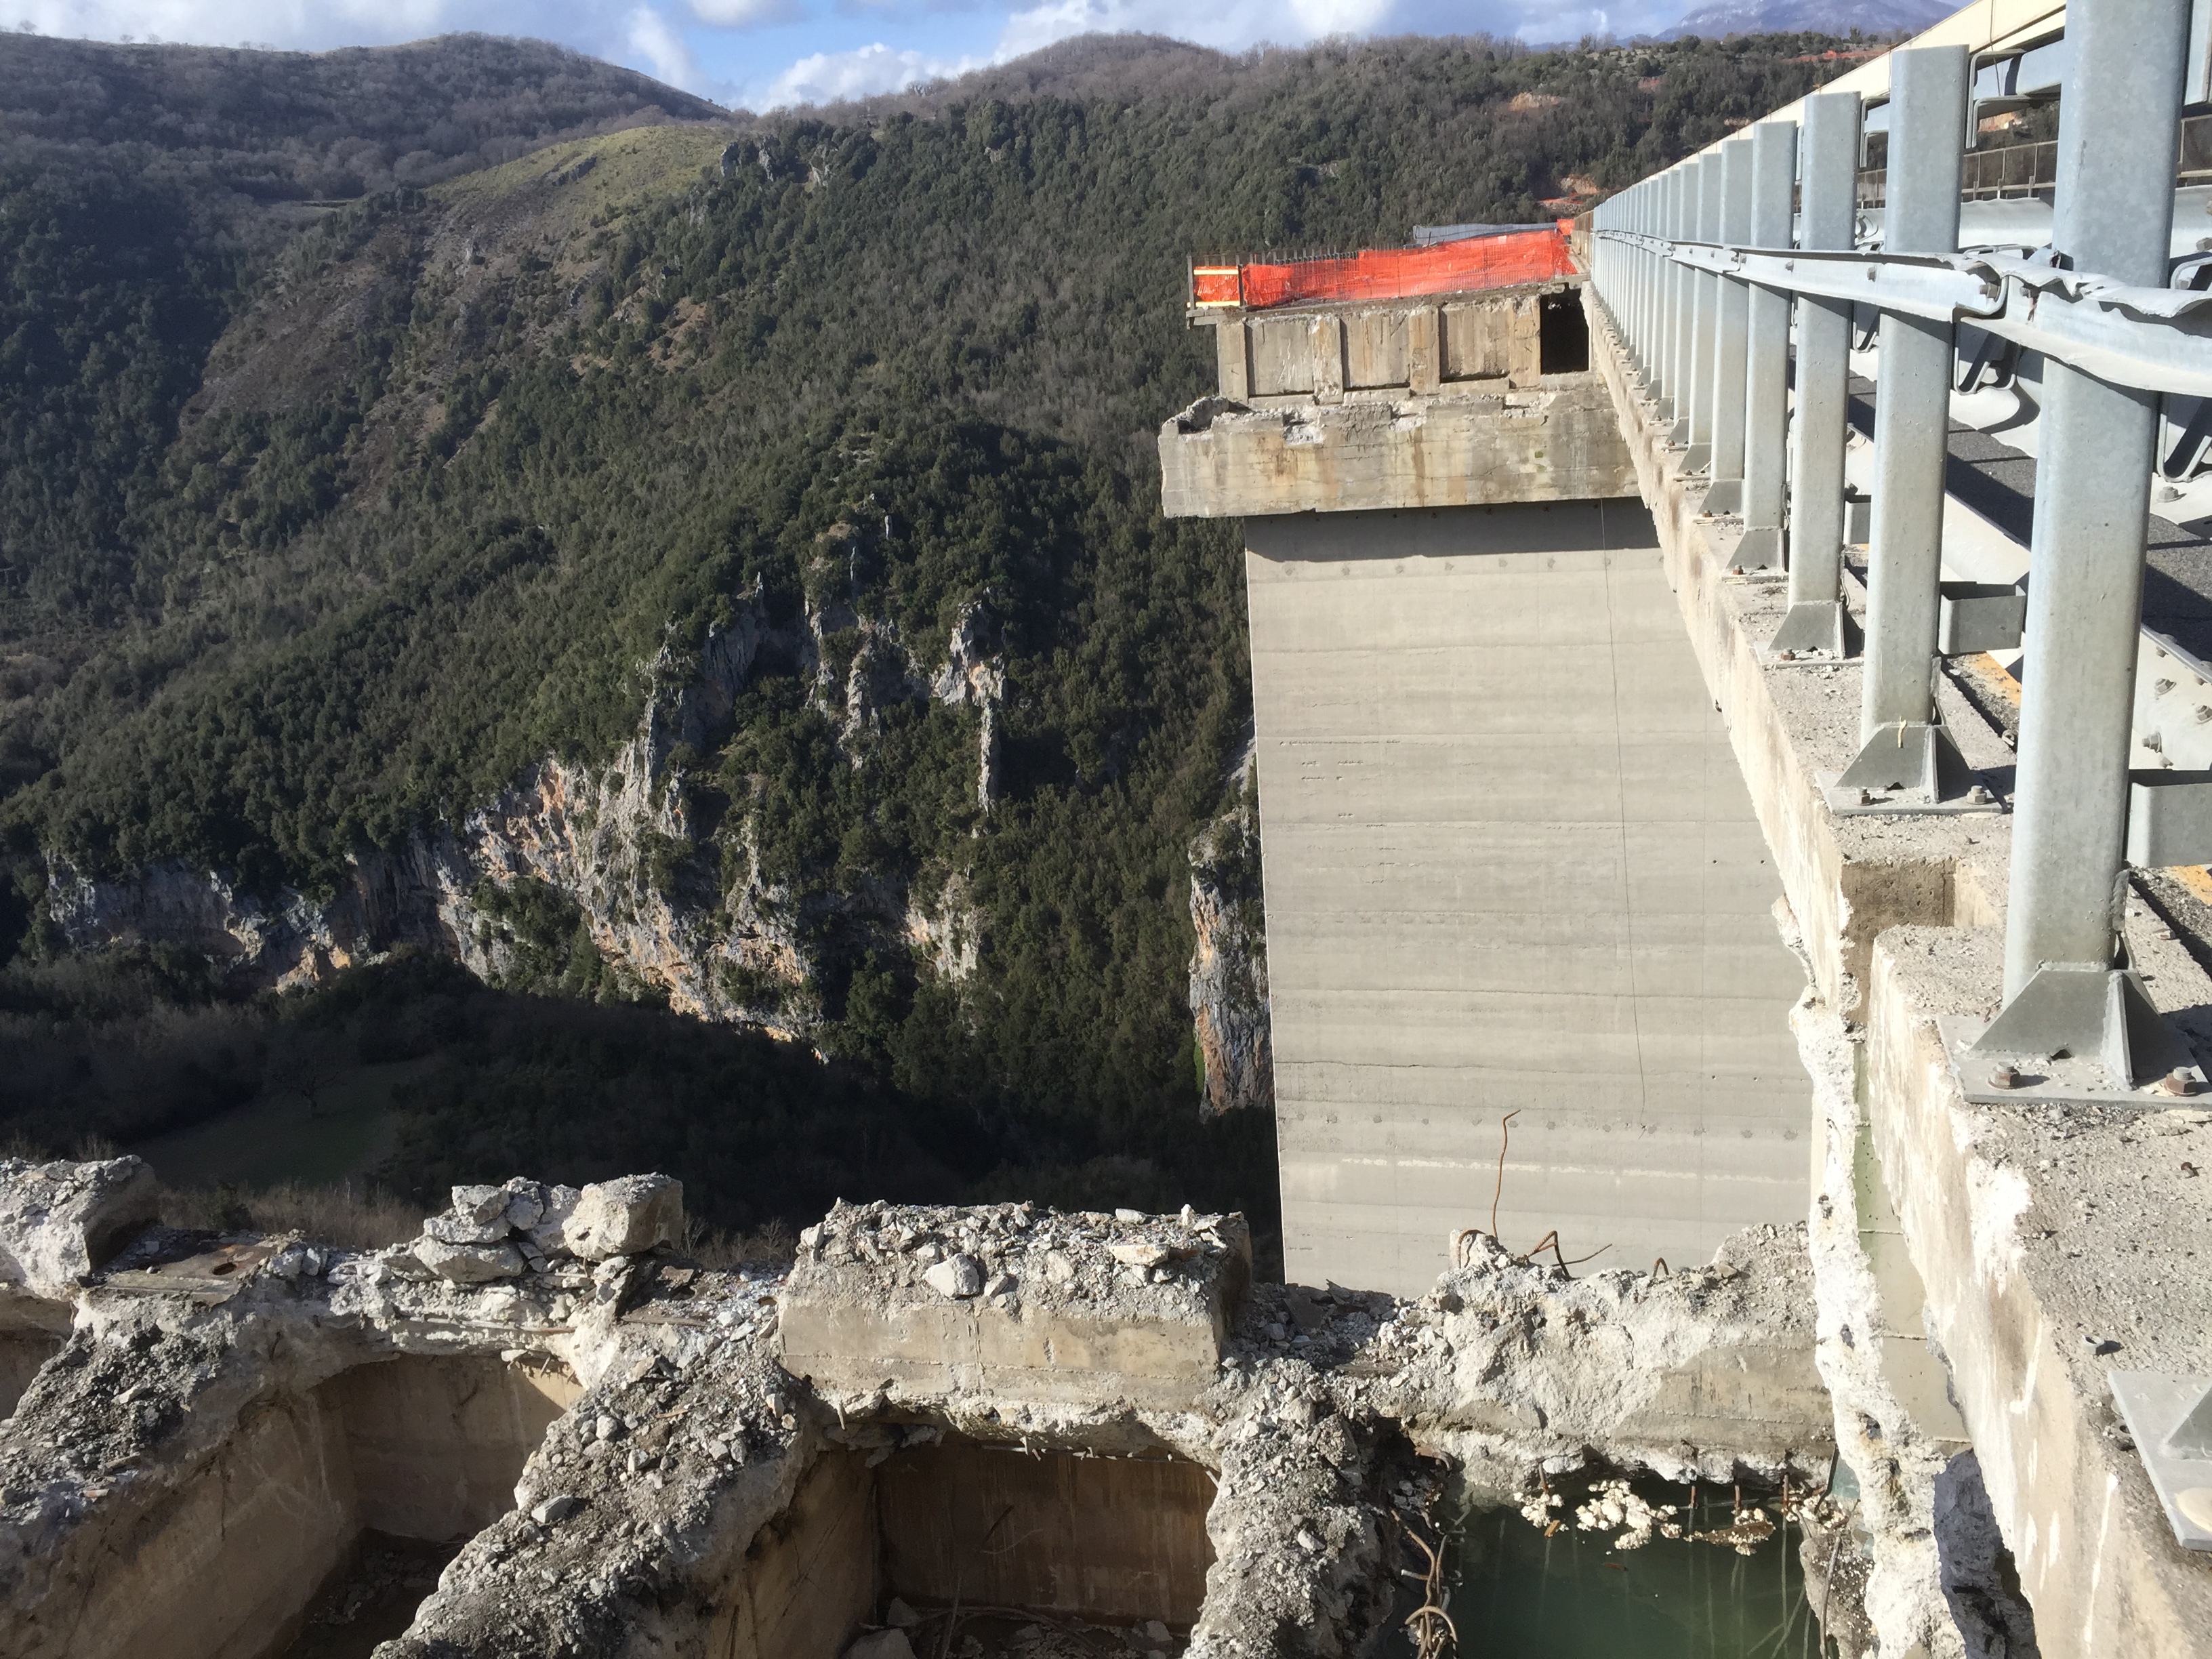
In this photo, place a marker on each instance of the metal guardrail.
(1679, 261)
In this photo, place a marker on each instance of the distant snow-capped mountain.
(1820, 16)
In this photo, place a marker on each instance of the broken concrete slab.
(60, 1221)
(861, 1308)
(1555, 441)
(638, 1468)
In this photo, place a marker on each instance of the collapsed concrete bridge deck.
(932, 1422)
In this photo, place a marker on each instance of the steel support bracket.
(2077, 1032)
(1979, 617)
(1816, 633)
(1907, 766)
(1723, 495)
(1757, 549)
(2169, 818)
(2170, 1420)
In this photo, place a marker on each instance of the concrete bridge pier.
(1511, 867)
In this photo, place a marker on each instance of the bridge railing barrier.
(1700, 271)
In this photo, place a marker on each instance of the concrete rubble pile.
(968, 1430)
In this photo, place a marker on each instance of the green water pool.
(1516, 1594)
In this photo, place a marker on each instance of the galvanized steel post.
(1909, 762)
(1731, 324)
(2066, 983)
(1704, 313)
(1766, 352)
(1817, 622)
(1681, 309)
(1640, 222)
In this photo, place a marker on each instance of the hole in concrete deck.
(21, 1353)
(1562, 335)
(1009, 1539)
(414, 1448)
(1571, 1593)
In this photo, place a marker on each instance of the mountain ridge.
(470, 487)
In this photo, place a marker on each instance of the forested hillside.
(764, 511)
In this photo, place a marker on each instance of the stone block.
(625, 1217)
(467, 1264)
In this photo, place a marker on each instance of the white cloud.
(827, 76)
(1231, 25)
(654, 39)
(744, 14)
(1320, 17)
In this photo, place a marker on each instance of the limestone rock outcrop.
(666, 904)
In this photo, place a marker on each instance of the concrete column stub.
(1424, 349)
(1328, 358)
(1232, 354)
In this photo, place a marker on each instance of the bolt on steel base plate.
(1847, 802)
(2045, 1080)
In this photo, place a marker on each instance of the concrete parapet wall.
(2055, 1246)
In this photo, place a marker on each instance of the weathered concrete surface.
(60, 1221)
(1896, 1428)
(2045, 1235)
(1697, 1375)
(1510, 866)
(1555, 441)
(1489, 341)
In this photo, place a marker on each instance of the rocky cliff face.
(1229, 968)
(668, 908)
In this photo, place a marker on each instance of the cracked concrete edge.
(157, 1389)
(1893, 1460)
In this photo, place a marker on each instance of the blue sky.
(763, 53)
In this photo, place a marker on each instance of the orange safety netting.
(1504, 261)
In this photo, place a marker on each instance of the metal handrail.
(2154, 339)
